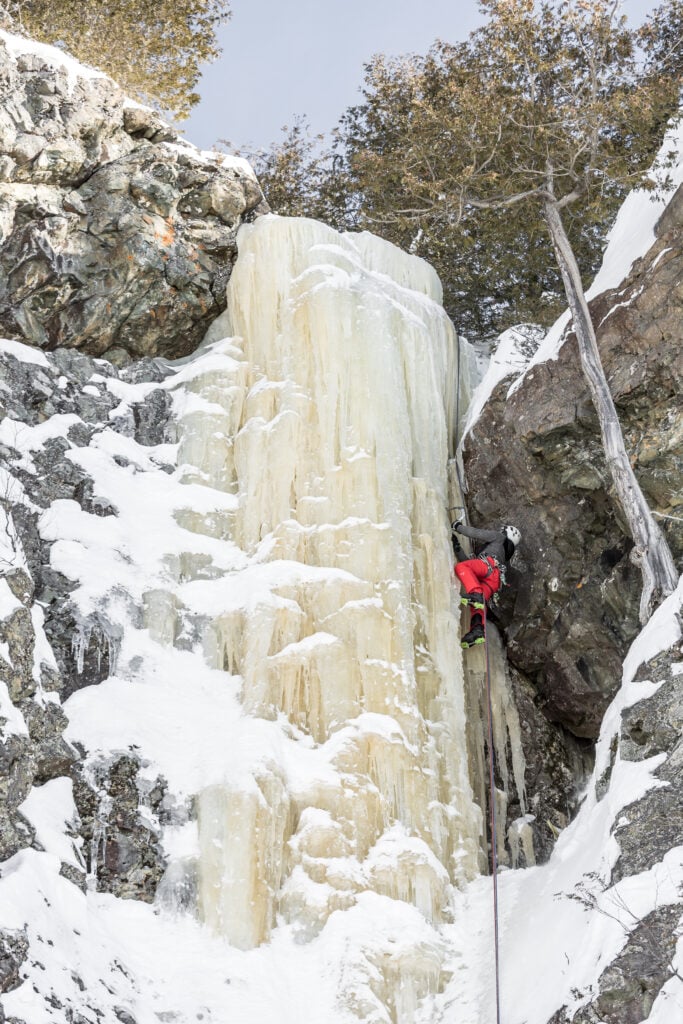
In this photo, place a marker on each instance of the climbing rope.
(492, 806)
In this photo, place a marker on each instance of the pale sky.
(287, 57)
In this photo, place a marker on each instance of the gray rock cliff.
(116, 236)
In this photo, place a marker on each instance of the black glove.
(455, 526)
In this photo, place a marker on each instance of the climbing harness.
(494, 564)
(492, 805)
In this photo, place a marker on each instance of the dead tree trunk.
(660, 577)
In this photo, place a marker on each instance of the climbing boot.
(474, 600)
(475, 637)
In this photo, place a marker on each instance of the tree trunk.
(660, 577)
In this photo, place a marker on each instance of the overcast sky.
(287, 57)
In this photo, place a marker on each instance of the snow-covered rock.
(594, 934)
(116, 236)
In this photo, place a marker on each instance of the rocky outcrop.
(534, 457)
(47, 650)
(13, 952)
(654, 824)
(124, 855)
(116, 236)
(645, 832)
(630, 985)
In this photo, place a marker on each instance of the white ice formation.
(509, 762)
(326, 416)
(281, 584)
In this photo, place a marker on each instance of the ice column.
(326, 416)
(509, 758)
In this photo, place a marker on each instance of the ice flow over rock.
(280, 580)
(326, 416)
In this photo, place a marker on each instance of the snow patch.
(9, 604)
(53, 57)
(12, 722)
(512, 354)
(51, 810)
(24, 353)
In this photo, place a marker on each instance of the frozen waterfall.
(289, 658)
(325, 415)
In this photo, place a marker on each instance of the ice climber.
(484, 575)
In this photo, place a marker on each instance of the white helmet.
(513, 534)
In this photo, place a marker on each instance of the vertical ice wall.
(325, 415)
(508, 753)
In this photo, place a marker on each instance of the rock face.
(123, 855)
(13, 950)
(653, 728)
(116, 236)
(535, 459)
(46, 651)
(646, 831)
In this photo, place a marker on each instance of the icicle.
(404, 868)
(80, 641)
(521, 840)
(97, 853)
(106, 635)
(242, 832)
(507, 734)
